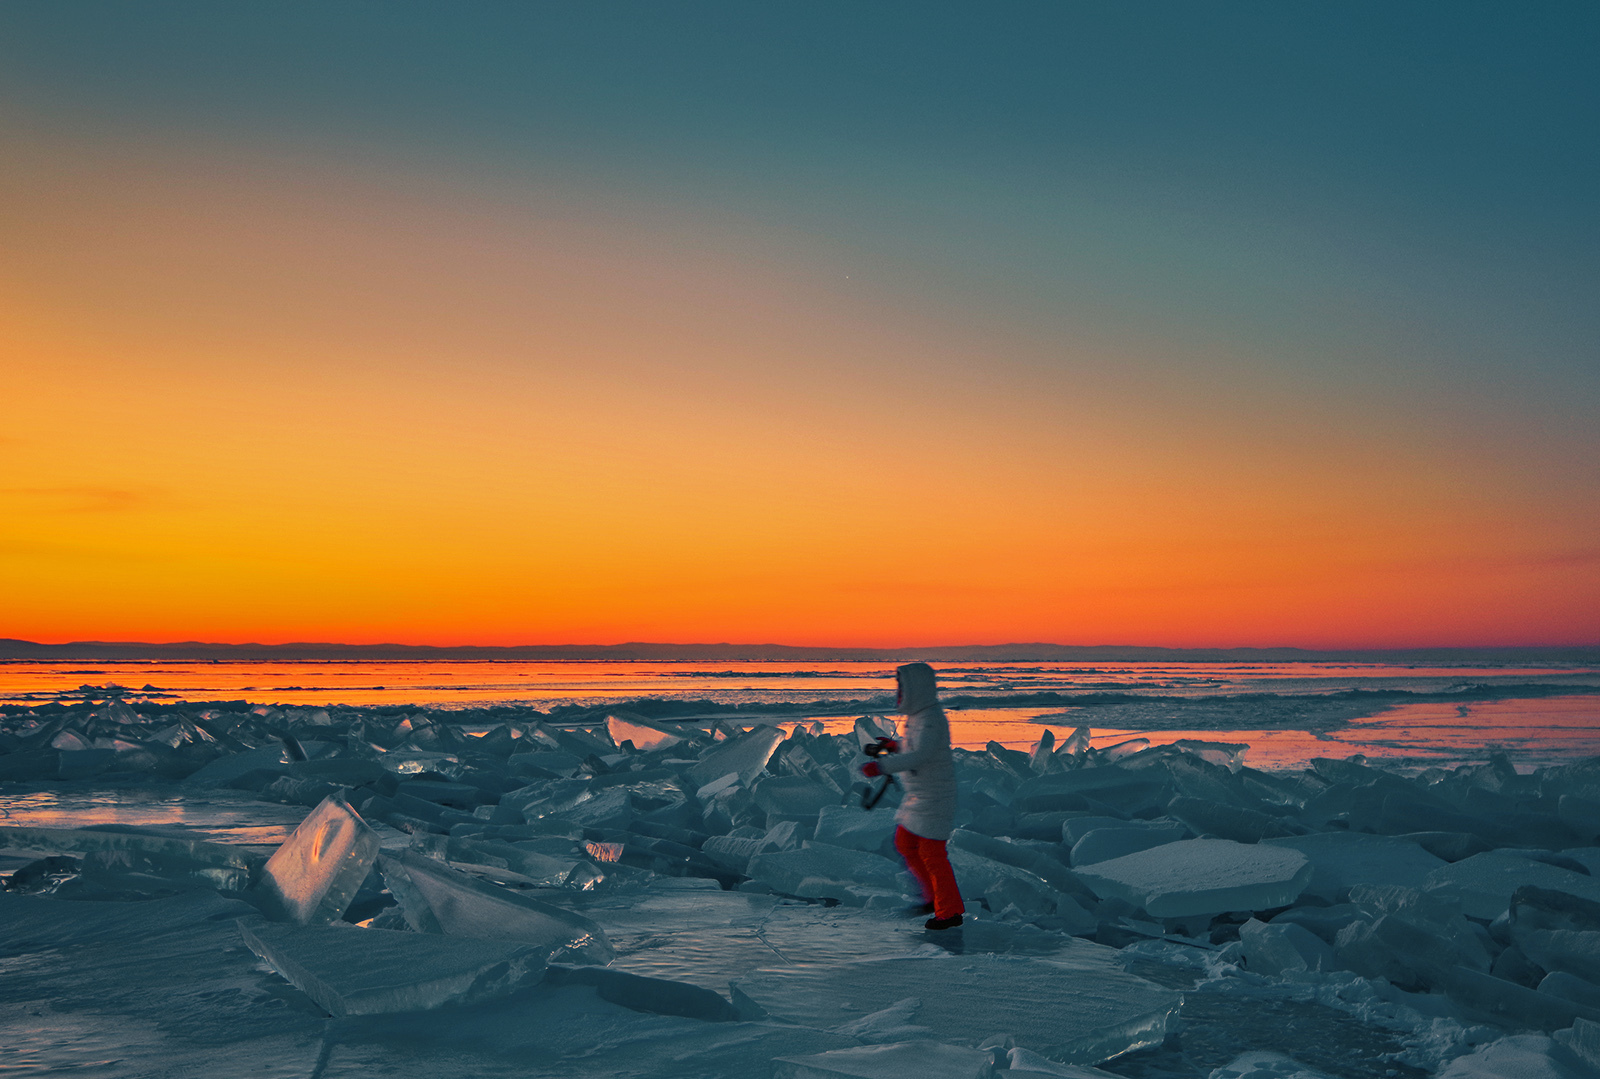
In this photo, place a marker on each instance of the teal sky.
(1293, 231)
(1327, 175)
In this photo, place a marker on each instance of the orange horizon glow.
(283, 404)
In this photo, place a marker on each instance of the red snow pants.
(931, 866)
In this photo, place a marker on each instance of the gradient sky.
(1160, 323)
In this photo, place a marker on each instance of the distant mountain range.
(11, 649)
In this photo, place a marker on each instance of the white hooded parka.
(924, 766)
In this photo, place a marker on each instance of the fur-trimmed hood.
(918, 689)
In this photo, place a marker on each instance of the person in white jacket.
(927, 771)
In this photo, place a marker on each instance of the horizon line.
(7, 643)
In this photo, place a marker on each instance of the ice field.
(237, 890)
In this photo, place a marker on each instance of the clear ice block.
(439, 900)
(313, 876)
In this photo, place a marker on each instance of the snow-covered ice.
(1201, 876)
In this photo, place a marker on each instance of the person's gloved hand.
(891, 745)
(871, 770)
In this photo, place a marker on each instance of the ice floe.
(699, 899)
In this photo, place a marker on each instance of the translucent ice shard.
(644, 735)
(254, 768)
(350, 971)
(784, 870)
(854, 827)
(1408, 953)
(1484, 883)
(797, 798)
(660, 996)
(312, 877)
(1080, 1009)
(438, 899)
(1341, 860)
(1001, 884)
(1495, 1000)
(1029, 1065)
(1569, 987)
(119, 847)
(924, 1059)
(1277, 947)
(1201, 876)
(745, 755)
(1523, 1056)
(1114, 841)
(1583, 1041)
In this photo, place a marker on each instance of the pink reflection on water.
(1533, 732)
(219, 816)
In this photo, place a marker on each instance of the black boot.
(943, 923)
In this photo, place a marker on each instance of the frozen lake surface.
(634, 872)
(1289, 713)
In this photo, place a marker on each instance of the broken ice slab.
(923, 1059)
(526, 865)
(1030, 1065)
(1003, 885)
(1124, 837)
(1559, 932)
(784, 870)
(1273, 948)
(735, 852)
(1518, 1056)
(1325, 922)
(1406, 952)
(1085, 788)
(856, 828)
(1201, 876)
(1484, 883)
(797, 798)
(660, 996)
(312, 877)
(1495, 1000)
(1341, 860)
(438, 899)
(645, 736)
(251, 769)
(1222, 820)
(1583, 1041)
(350, 971)
(1449, 846)
(133, 850)
(1081, 1009)
(1229, 755)
(554, 761)
(1265, 1064)
(706, 938)
(1569, 987)
(745, 755)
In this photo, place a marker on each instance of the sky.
(814, 323)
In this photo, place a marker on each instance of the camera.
(880, 747)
